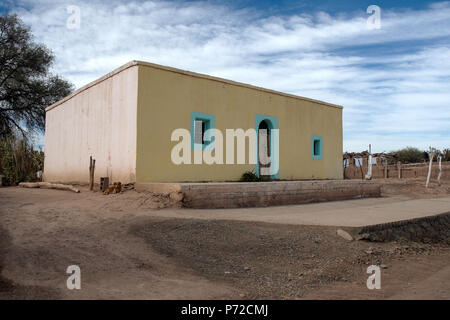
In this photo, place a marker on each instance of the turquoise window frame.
(274, 158)
(210, 120)
(313, 141)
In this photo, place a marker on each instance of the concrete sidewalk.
(349, 213)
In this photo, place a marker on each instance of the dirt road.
(48, 230)
(127, 248)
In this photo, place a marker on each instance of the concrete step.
(262, 194)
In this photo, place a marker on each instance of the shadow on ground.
(265, 260)
(12, 290)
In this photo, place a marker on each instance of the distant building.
(125, 121)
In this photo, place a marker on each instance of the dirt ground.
(127, 249)
(414, 188)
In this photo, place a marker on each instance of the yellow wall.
(167, 97)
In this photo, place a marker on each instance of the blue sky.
(394, 82)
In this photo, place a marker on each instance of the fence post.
(440, 170)
(430, 156)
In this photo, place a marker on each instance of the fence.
(398, 171)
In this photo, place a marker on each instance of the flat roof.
(188, 73)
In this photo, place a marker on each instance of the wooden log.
(49, 185)
(29, 185)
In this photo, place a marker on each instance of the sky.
(393, 81)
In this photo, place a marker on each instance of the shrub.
(446, 155)
(19, 161)
(249, 176)
(410, 155)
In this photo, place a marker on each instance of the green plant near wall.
(19, 161)
(249, 176)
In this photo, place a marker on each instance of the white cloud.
(393, 93)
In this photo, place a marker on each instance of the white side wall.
(98, 121)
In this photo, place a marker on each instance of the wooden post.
(379, 161)
(361, 168)
(344, 169)
(91, 173)
(430, 156)
(385, 169)
(440, 170)
(369, 164)
(399, 169)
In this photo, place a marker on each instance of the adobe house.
(125, 120)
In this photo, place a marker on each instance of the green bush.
(249, 176)
(409, 155)
(19, 161)
(446, 155)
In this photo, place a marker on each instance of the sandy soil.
(414, 188)
(127, 250)
(420, 276)
(45, 231)
(281, 261)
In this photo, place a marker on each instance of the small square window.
(316, 148)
